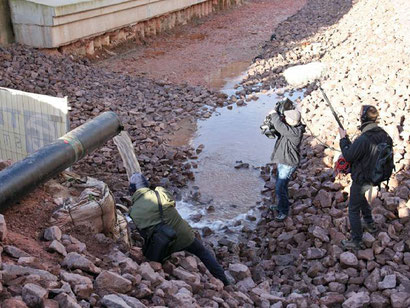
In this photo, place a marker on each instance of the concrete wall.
(6, 31)
(55, 23)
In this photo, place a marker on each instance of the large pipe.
(23, 176)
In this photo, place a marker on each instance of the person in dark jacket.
(145, 214)
(358, 154)
(286, 155)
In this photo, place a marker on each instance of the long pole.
(331, 108)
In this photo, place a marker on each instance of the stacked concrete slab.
(56, 23)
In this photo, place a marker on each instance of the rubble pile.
(295, 263)
(366, 58)
(150, 110)
(120, 279)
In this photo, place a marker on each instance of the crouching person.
(151, 208)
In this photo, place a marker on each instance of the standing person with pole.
(371, 159)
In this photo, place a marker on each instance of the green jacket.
(145, 214)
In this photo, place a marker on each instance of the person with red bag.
(371, 159)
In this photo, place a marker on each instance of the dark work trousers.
(284, 174)
(208, 260)
(358, 204)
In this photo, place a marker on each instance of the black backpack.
(381, 163)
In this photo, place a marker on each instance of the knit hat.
(292, 117)
(137, 181)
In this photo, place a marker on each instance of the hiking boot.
(350, 244)
(371, 227)
(281, 217)
(274, 207)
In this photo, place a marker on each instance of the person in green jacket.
(145, 215)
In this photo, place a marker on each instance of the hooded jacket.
(358, 153)
(287, 147)
(145, 214)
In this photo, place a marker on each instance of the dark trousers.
(358, 205)
(208, 260)
(284, 174)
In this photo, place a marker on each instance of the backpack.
(381, 164)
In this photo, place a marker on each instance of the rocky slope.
(296, 263)
(367, 58)
(151, 111)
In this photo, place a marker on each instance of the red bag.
(342, 166)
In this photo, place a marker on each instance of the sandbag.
(94, 208)
(122, 232)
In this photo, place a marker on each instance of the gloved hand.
(342, 133)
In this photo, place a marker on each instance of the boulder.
(33, 294)
(148, 273)
(183, 298)
(66, 301)
(283, 260)
(15, 252)
(372, 281)
(389, 282)
(11, 271)
(114, 301)
(75, 279)
(357, 300)
(239, 271)
(246, 284)
(399, 299)
(52, 233)
(189, 263)
(113, 282)
(321, 234)
(13, 303)
(377, 300)
(348, 259)
(56, 246)
(185, 275)
(132, 301)
(332, 299)
(365, 254)
(74, 261)
(323, 199)
(50, 303)
(315, 253)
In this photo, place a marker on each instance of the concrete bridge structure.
(85, 25)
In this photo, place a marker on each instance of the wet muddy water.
(222, 194)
